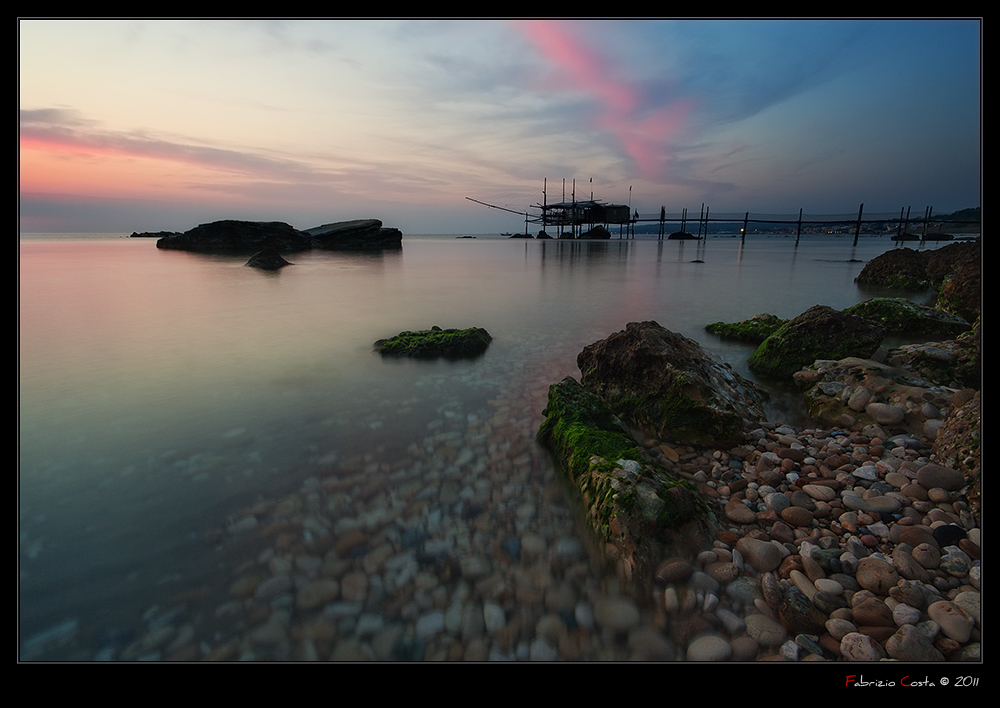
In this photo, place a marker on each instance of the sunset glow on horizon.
(163, 124)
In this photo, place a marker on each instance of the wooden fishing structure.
(589, 218)
(569, 217)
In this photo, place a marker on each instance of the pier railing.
(884, 222)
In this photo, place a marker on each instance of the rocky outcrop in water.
(953, 271)
(152, 234)
(357, 235)
(267, 259)
(435, 343)
(238, 236)
(234, 236)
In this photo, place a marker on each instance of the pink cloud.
(644, 135)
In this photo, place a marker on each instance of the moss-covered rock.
(436, 343)
(755, 330)
(818, 333)
(901, 317)
(637, 511)
(953, 271)
(900, 269)
(668, 386)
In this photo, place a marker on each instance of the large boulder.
(667, 385)
(639, 513)
(900, 268)
(356, 235)
(820, 332)
(232, 236)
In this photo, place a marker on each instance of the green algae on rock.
(818, 333)
(436, 343)
(636, 509)
(899, 316)
(756, 329)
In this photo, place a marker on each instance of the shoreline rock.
(638, 512)
(855, 537)
(818, 333)
(667, 385)
(952, 271)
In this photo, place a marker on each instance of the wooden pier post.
(857, 226)
(743, 234)
(799, 232)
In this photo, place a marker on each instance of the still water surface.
(160, 392)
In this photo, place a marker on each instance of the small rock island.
(234, 236)
(435, 343)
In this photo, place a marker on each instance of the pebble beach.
(468, 547)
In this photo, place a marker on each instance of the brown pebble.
(789, 564)
(970, 548)
(872, 611)
(876, 575)
(797, 516)
(674, 570)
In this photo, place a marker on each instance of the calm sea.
(161, 392)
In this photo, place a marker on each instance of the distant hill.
(970, 214)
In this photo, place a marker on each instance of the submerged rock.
(436, 343)
(267, 259)
(667, 385)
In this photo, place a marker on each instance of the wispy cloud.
(620, 104)
(66, 132)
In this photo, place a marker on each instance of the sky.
(149, 125)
